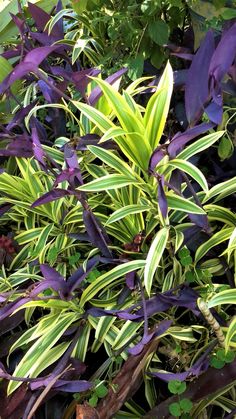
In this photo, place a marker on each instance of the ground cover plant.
(117, 242)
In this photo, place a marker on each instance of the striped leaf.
(108, 182)
(200, 145)
(121, 109)
(223, 297)
(102, 281)
(158, 108)
(218, 238)
(126, 211)
(191, 170)
(112, 160)
(218, 213)
(154, 256)
(182, 204)
(223, 189)
(39, 351)
(231, 332)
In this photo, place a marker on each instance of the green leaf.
(126, 211)
(5, 69)
(101, 390)
(229, 357)
(216, 239)
(186, 261)
(217, 363)
(93, 400)
(97, 117)
(42, 240)
(231, 332)
(39, 351)
(175, 409)
(182, 204)
(228, 13)
(222, 189)
(158, 107)
(191, 170)
(79, 47)
(150, 7)
(109, 277)
(159, 32)
(223, 297)
(200, 145)
(108, 182)
(186, 405)
(113, 161)
(135, 67)
(29, 235)
(176, 387)
(120, 107)
(183, 252)
(219, 213)
(62, 13)
(126, 332)
(154, 256)
(225, 148)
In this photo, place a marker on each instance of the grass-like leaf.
(154, 256)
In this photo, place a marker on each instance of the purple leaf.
(77, 386)
(184, 56)
(180, 77)
(130, 279)
(196, 90)
(96, 232)
(49, 94)
(185, 297)
(161, 328)
(52, 280)
(11, 322)
(93, 139)
(39, 15)
(81, 79)
(71, 158)
(83, 237)
(97, 92)
(30, 63)
(72, 174)
(200, 221)
(41, 18)
(197, 369)
(8, 309)
(182, 138)
(214, 112)
(4, 208)
(52, 196)
(79, 275)
(19, 71)
(15, 52)
(157, 155)
(162, 201)
(223, 56)
(37, 55)
(19, 23)
(37, 148)
(20, 115)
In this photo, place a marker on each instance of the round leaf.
(159, 32)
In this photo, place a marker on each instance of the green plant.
(184, 405)
(221, 358)
(113, 34)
